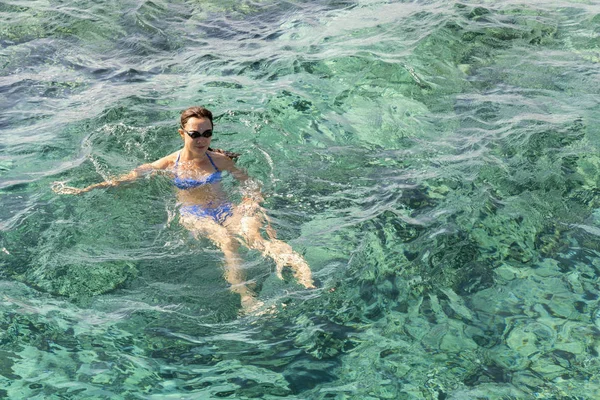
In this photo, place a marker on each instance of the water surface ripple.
(436, 162)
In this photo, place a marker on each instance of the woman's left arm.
(250, 188)
(252, 196)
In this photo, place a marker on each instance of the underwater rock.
(507, 358)
(531, 338)
(488, 391)
(79, 280)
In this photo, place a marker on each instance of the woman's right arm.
(139, 172)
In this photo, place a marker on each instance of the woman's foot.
(284, 258)
(250, 304)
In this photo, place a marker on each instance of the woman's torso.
(198, 184)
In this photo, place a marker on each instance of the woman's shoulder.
(224, 161)
(221, 160)
(165, 162)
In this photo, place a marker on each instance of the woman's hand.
(141, 171)
(60, 188)
(249, 206)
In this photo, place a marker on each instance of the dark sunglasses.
(196, 134)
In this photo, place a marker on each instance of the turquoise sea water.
(436, 162)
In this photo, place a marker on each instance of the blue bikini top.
(190, 183)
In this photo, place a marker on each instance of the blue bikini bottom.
(218, 213)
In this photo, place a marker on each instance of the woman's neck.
(190, 156)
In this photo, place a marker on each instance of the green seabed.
(436, 163)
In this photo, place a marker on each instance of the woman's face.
(200, 144)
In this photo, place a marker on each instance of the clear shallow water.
(435, 162)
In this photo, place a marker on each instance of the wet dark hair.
(230, 154)
(196, 112)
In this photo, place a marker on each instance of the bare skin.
(243, 226)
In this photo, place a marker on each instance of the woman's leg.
(220, 236)
(282, 253)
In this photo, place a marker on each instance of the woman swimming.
(204, 208)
